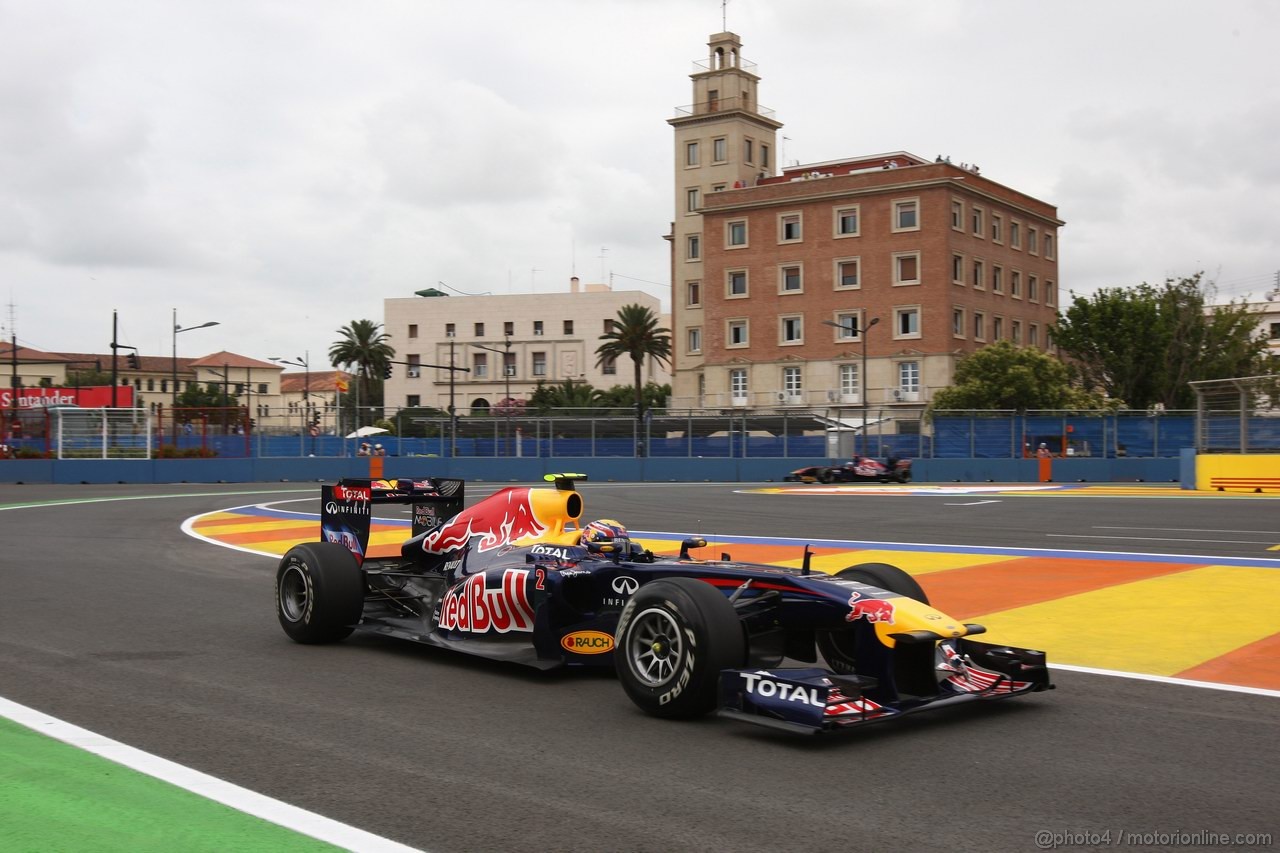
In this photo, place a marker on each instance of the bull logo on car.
(871, 609)
(500, 523)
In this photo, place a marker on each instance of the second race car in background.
(860, 469)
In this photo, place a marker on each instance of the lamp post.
(853, 329)
(303, 361)
(176, 330)
(506, 375)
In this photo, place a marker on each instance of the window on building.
(789, 228)
(906, 322)
(691, 200)
(737, 233)
(450, 330)
(413, 330)
(1050, 293)
(906, 215)
(978, 279)
(537, 328)
(979, 326)
(693, 247)
(977, 221)
(997, 328)
(1032, 242)
(997, 228)
(1275, 331)
(997, 279)
(850, 322)
(508, 328)
(847, 273)
(738, 383)
(414, 365)
(1015, 331)
(736, 283)
(1033, 335)
(539, 363)
(907, 268)
(957, 215)
(1015, 284)
(792, 329)
(764, 155)
(609, 325)
(1015, 234)
(846, 221)
(691, 153)
(413, 401)
(508, 364)
(792, 383)
(957, 269)
(262, 387)
(737, 333)
(1033, 288)
(957, 322)
(695, 339)
(789, 280)
(849, 384)
(609, 366)
(568, 327)
(693, 294)
(909, 377)
(747, 153)
(719, 150)
(479, 330)
(164, 385)
(1048, 247)
(480, 365)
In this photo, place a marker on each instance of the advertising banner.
(88, 397)
(346, 511)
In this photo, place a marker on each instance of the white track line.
(209, 787)
(1166, 679)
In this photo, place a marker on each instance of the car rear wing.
(346, 509)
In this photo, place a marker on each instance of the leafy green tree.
(364, 346)
(1006, 376)
(1144, 344)
(206, 403)
(87, 376)
(547, 399)
(623, 396)
(636, 335)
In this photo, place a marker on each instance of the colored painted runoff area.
(1193, 618)
(54, 796)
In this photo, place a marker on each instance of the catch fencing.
(1240, 415)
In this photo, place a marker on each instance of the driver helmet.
(604, 531)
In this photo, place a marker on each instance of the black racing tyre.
(825, 476)
(837, 647)
(673, 638)
(319, 592)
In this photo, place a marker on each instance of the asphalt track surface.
(111, 618)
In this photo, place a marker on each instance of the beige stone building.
(507, 344)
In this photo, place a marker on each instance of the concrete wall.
(301, 469)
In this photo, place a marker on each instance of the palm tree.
(635, 333)
(364, 345)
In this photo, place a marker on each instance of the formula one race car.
(517, 578)
(861, 469)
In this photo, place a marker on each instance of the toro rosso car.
(861, 469)
(517, 578)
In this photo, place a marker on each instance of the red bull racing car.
(517, 577)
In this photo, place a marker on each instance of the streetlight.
(303, 361)
(853, 329)
(176, 330)
(506, 375)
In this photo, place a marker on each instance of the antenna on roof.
(724, 27)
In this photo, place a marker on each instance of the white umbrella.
(366, 431)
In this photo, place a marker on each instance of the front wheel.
(319, 592)
(673, 639)
(840, 647)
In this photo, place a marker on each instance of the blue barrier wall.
(622, 469)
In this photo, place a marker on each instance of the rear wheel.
(319, 592)
(839, 647)
(825, 476)
(674, 637)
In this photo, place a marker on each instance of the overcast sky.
(282, 167)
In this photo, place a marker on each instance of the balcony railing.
(721, 105)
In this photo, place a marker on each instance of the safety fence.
(762, 434)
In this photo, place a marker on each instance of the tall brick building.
(930, 260)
